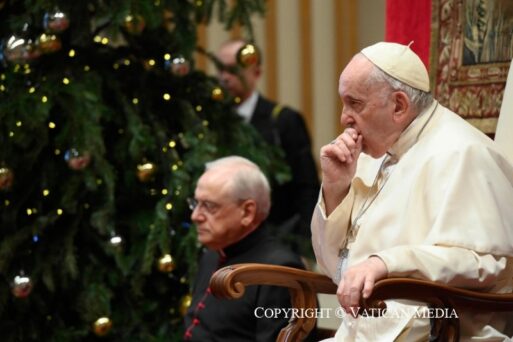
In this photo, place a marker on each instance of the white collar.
(246, 108)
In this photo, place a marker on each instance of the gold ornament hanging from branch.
(48, 43)
(146, 172)
(102, 326)
(248, 55)
(217, 94)
(166, 264)
(134, 24)
(185, 303)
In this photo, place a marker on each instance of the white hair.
(248, 182)
(419, 99)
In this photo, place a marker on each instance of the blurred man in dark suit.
(294, 201)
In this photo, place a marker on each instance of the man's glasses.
(205, 206)
(232, 69)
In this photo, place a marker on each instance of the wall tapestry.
(471, 50)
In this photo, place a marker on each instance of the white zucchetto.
(400, 62)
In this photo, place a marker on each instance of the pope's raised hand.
(338, 165)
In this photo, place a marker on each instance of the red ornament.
(22, 286)
(77, 160)
(56, 22)
(6, 178)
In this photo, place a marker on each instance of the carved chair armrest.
(230, 282)
(446, 326)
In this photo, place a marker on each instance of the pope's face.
(367, 106)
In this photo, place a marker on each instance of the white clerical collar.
(246, 108)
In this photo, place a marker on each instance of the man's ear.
(402, 107)
(249, 211)
(256, 72)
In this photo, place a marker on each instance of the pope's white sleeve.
(454, 266)
(329, 233)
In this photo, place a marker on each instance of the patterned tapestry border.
(466, 75)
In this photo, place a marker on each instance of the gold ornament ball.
(6, 178)
(166, 264)
(22, 286)
(185, 303)
(248, 55)
(134, 24)
(48, 43)
(148, 64)
(146, 171)
(217, 94)
(102, 326)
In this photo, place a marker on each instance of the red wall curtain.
(407, 21)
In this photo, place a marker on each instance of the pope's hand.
(338, 165)
(358, 281)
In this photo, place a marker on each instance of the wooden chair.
(230, 282)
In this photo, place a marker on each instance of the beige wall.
(306, 44)
(371, 22)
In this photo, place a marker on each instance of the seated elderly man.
(410, 189)
(231, 201)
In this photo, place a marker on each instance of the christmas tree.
(105, 124)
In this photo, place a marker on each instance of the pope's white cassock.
(440, 208)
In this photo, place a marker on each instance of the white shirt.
(246, 108)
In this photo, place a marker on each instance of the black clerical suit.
(210, 319)
(292, 202)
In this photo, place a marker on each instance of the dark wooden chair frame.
(230, 282)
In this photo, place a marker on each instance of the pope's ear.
(402, 107)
